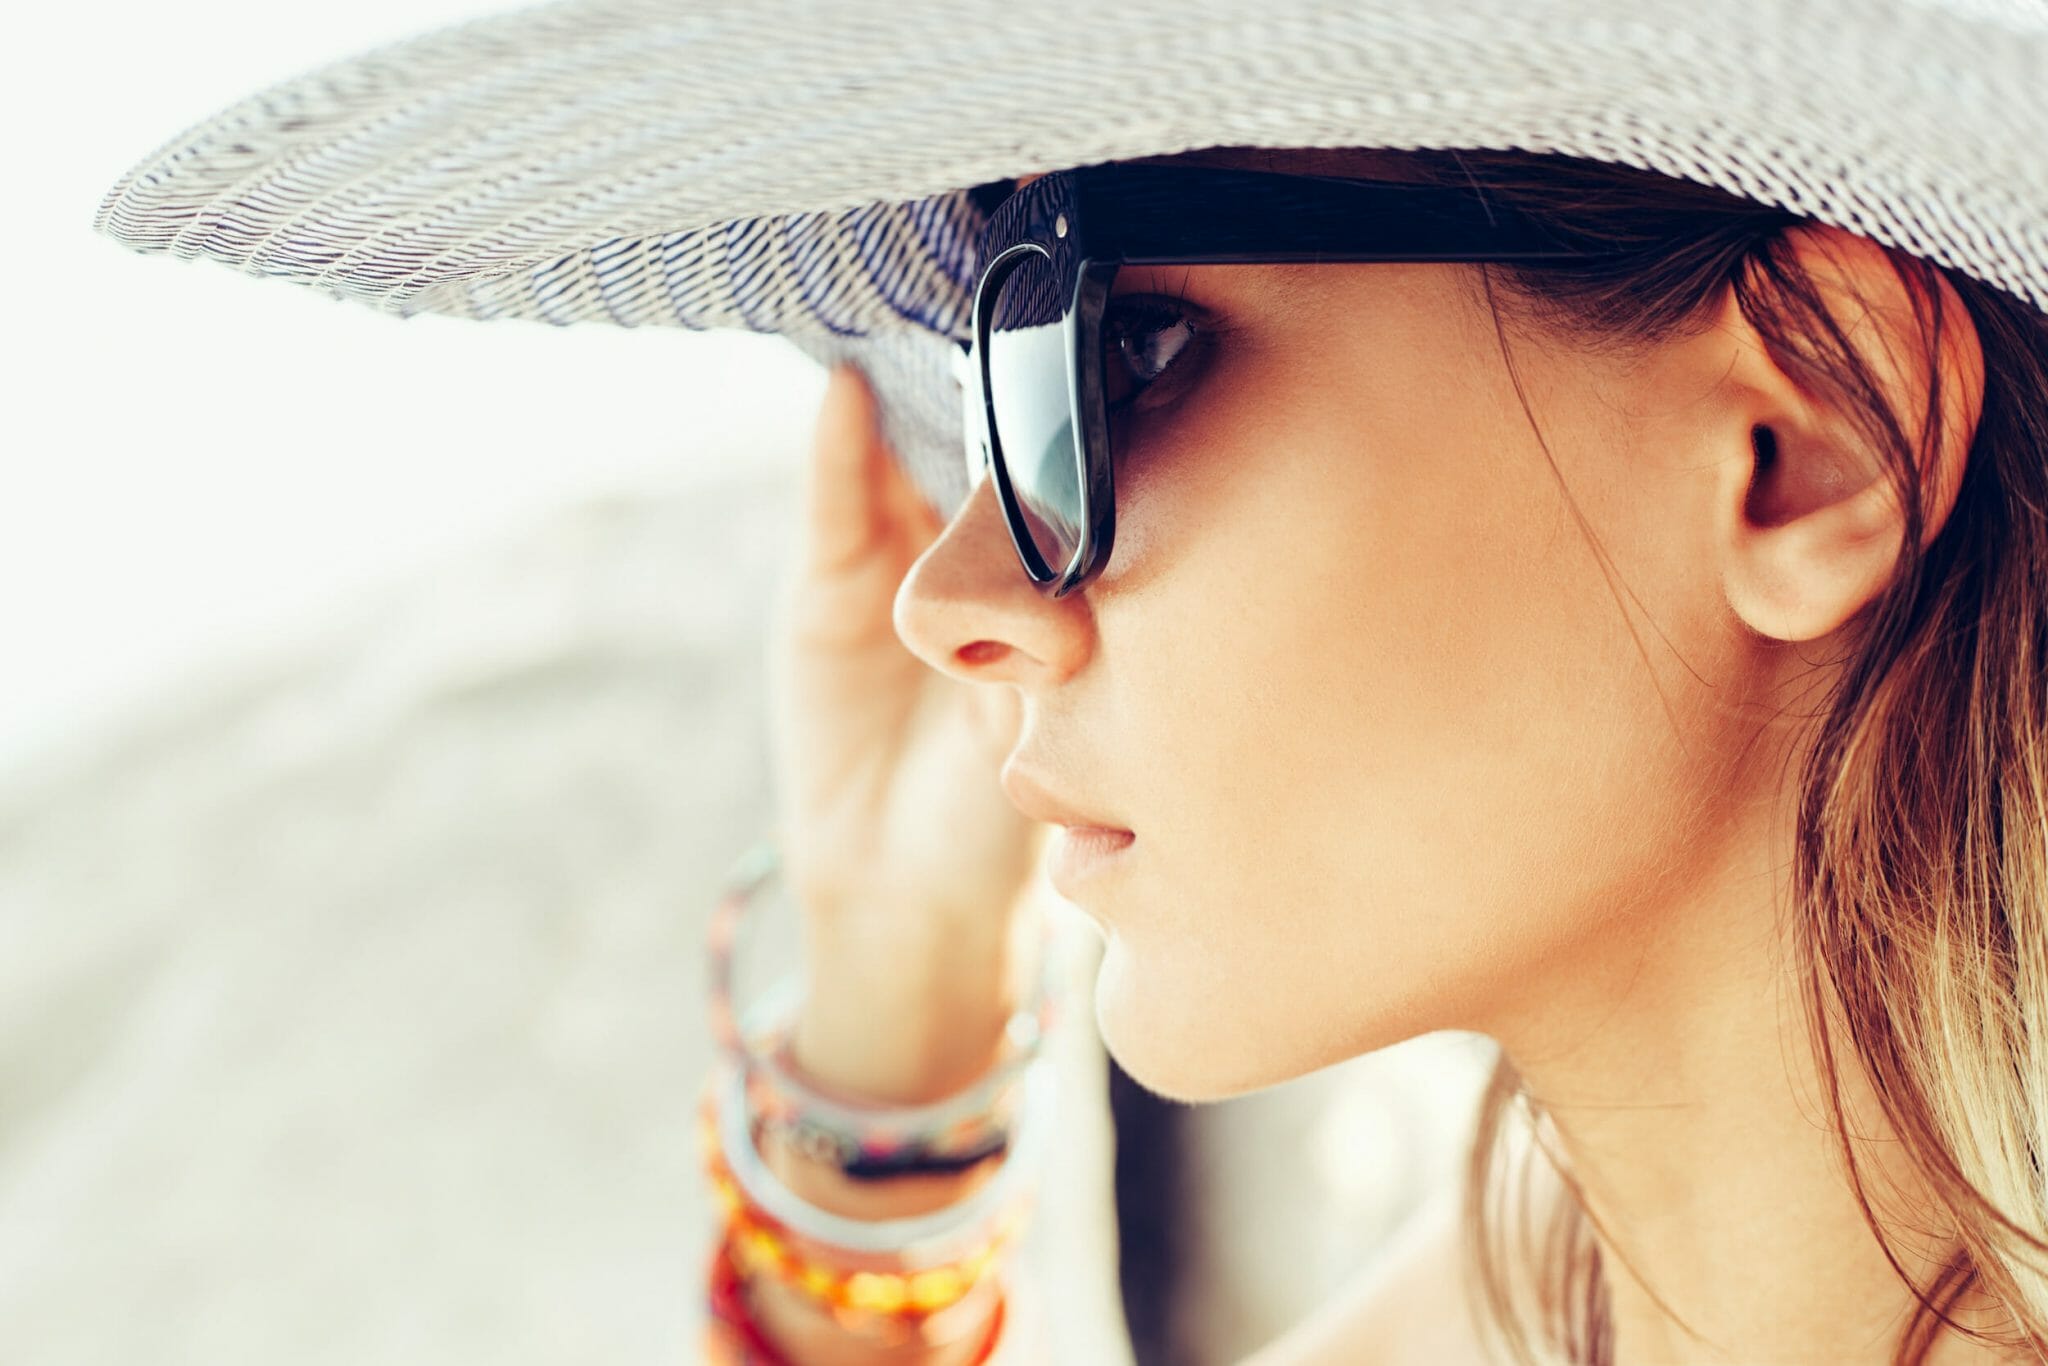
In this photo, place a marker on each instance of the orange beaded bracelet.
(732, 1337)
(867, 1293)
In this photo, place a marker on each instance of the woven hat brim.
(802, 168)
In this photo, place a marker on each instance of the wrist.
(898, 1025)
(911, 1046)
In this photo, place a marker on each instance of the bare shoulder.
(1408, 1308)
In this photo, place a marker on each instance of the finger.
(842, 502)
(907, 505)
(904, 506)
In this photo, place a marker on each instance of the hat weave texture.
(802, 166)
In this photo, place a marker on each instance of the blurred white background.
(199, 463)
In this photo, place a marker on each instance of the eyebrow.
(1291, 288)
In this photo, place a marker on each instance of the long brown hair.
(1920, 883)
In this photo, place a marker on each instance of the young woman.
(1641, 664)
(1591, 592)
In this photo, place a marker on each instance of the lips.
(1037, 799)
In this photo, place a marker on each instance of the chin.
(1175, 1053)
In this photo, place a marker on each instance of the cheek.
(1385, 724)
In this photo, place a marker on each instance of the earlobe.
(1803, 578)
(1811, 522)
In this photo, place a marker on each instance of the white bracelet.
(936, 1237)
(827, 1128)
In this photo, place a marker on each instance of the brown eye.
(1143, 336)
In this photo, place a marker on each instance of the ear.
(1808, 522)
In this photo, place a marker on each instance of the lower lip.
(1081, 851)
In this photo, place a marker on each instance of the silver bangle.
(935, 1237)
(948, 1134)
(826, 1128)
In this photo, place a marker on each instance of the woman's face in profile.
(1398, 751)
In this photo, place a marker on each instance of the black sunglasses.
(1051, 357)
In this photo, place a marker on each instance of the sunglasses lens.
(1034, 423)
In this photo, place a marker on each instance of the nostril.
(979, 651)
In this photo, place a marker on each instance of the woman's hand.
(905, 857)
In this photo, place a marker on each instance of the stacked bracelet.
(871, 1142)
(885, 1280)
(734, 1339)
(915, 1238)
(866, 1141)
(888, 1281)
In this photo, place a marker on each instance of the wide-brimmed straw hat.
(820, 168)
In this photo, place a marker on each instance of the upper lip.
(1040, 803)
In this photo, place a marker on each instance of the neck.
(1686, 1100)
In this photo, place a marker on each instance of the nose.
(967, 608)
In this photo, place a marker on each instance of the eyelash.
(1176, 294)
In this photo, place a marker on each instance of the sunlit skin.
(1400, 754)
